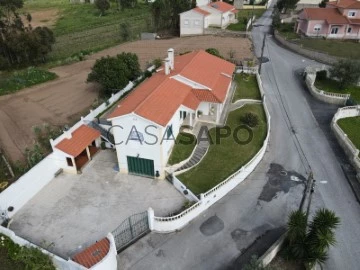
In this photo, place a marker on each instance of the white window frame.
(197, 22)
(351, 13)
(186, 22)
(333, 29)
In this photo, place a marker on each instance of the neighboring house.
(187, 89)
(339, 20)
(216, 14)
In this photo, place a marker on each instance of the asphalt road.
(225, 236)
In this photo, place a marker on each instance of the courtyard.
(74, 211)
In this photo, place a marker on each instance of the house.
(339, 20)
(189, 88)
(217, 14)
(307, 4)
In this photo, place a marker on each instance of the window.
(69, 162)
(186, 22)
(182, 114)
(197, 22)
(351, 13)
(169, 132)
(334, 30)
(349, 30)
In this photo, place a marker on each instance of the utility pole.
(308, 185)
(312, 190)
(262, 52)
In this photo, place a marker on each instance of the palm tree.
(310, 243)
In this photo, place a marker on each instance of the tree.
(310, 243)
(166, 13)
(114, 73)
(286, 4)
(125, 31)
(323, 3)
(102, 6)
(347, 72)
(254, 264)
(214, 51)
(20, 44)
(276, 20)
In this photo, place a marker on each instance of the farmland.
(79, 28)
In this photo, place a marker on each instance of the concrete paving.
(263, 201)
(74, 211)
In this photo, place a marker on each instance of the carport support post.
(88, 152)
(151, 217)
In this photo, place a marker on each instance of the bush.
(214, 51)
(157, 62)
(250, 119)
(147, 74)
(29, 257)
(321, 75)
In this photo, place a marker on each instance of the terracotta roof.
(345, 4)
(158, 98)
(205, 95)
(330, 15)
(93, 254)
(81, 138)
(201, 11)
(222, 6)
(354, 21)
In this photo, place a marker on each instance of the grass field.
(346, 49)
(351, 127)
(225, 158)
(247, 87)
(333, 87)
(243, 17)
(79, 27)
(16, 80)
(182, 149)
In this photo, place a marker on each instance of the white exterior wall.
(204, 107)
(194, 25)
(202, 2)
(149, 149)
(60, 158)
(215, 17)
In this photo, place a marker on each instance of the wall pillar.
(151, 218)
(88, 152)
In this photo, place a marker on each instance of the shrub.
(157, 62)
(214, 51)
(321, 75)
(250, 119)
(147, 74)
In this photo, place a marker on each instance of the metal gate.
(140, 166)
(131, 229)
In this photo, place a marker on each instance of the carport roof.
(80, 139)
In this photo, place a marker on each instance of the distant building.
(339, 20)
(216, 14)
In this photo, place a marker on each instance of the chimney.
(167, 66)
(171, 58)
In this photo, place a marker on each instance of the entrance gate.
(130, 230)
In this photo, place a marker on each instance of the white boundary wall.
(327, 97)
(350, 149)
(174, 223)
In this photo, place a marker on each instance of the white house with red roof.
(217, 14)
(188, 88)
(339, 20)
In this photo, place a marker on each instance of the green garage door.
(141, 166)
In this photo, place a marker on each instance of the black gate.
(131, 229)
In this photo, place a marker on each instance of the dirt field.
(45, 17)
(62, 101)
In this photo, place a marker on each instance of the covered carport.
(79, 147)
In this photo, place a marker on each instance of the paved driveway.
(74, 211)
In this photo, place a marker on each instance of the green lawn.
(346, 49)
(333, 87)
(247, 87)
(243, 17)
(351, 126)
(13, 81)
(7, 263)
(79, 27)
(228, 156)
(184, 146)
